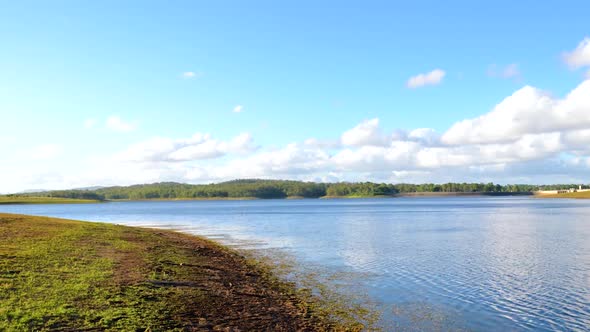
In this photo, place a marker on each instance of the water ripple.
(483, 264)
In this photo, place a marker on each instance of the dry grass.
(579, 195)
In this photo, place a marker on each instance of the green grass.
(580, 195)
(42, 200)
(60, 274)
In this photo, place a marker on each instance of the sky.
(125, 92)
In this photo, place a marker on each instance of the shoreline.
(22, 200)
(70, 274)
(409, 194)
(573, 195)
(462, 194)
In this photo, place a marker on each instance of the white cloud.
(580, 57)
(432, 78)
(369, 154)
(367, 151)
(400, 155)
(324, 144)
(198, 147)
(365, 133)
(238, 109)
(577, 140)
(189, 74)
(510, 71)
(210, 148)
(428, 136)
(528, 111)
(115, 123)
(90, 123)
(294, 160)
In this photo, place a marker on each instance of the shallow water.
(444, 263)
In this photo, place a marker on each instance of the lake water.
(474, 263)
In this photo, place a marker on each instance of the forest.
(266, 189)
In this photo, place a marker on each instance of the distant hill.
(259, 188)
(28, 191)
(89, 188)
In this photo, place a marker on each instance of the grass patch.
(68, 275)
(43, 200)
(580, 195)
(57, 274)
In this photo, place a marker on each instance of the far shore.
(186, 199)
(9, 200)
(262, 189)
(410, 194)
(5, 200)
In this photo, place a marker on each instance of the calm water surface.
(475, 263)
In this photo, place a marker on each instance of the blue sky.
(298, 69)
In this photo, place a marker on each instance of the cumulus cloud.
(371, 162)
(238, 109)
(198, 147)
(324, 144)
(577, 140)
(509, 71)
(413, 154)
(365, 152)
(115, 123)
(400, 155)
(365, 133)
(292, 161)
(527, 111)
(432, 78)
(580, 57)
(427, 136)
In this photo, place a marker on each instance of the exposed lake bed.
(474, 263)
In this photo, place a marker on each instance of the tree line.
(282, 189)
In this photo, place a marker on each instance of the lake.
(444, 263)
